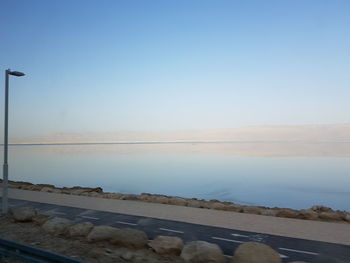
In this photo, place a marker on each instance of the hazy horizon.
(266, 133)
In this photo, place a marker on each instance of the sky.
(108, 65)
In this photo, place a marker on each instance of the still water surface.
(283, 175)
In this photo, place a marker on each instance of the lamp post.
(8, 72)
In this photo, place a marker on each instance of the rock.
(234, 208)
(112, 196)
(309, 214)
(56, 191)
(177, 201)
(56, 225)
(289, 213)
(94, 194)
(217, 206)
(144, 197)
(77, 191)
(194, 203)
(202, 252)
(24, 214)
(46, 185)
(253, 252)
(40, 219)
(127, 255)
(31, 187)
(167, 245)
(321, 208)
(131, 238)
(102, 233)
(252, 210)
(46, 189)
(160, 199)
(268, 212)
(81, 229)
(332, 216)
(130, 197)
(347, 217)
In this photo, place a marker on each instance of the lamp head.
(16, 73)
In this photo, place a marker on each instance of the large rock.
(78, 190)
(57, 225)
(331, 216)
(167, 245)
(289, 213)
(24, 214)
(48, 189)
(234, 208)
(33, 187)
(268, 212)
(309, 214)
(347, 217)
(202, 252)
(217, 206)
(177, 201)
(40, 219)
(194, 203)
(131, 238)
(321, 208)
(253, 252)
(160, 199)
(112, 196)
(81, 229)
(102, 233)
(94, 194)
(252, 210)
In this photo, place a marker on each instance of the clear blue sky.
(171, 65)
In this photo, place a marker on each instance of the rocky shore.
(94, 244)
(317, 212)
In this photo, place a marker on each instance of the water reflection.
(294, 175)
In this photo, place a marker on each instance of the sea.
(274, 174)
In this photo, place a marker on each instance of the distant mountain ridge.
(285, 133)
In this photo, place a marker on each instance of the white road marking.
(298, 251)
(90, 217)
(229, 240)
(283, 256)
(239, 235)
(126, 223)
(171, 230)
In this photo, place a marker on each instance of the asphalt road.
(290, 249)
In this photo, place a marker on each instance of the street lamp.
(8, 72)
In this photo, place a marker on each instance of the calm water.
(285, 175)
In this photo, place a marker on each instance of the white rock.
(128, 237)
(57, 225)
(202, 252)
(167, 245)
(100, 233)
(24, 214)
(81, 229)
(194, 203)
(177, 201)
(253, 252)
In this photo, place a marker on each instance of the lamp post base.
(5, 190)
